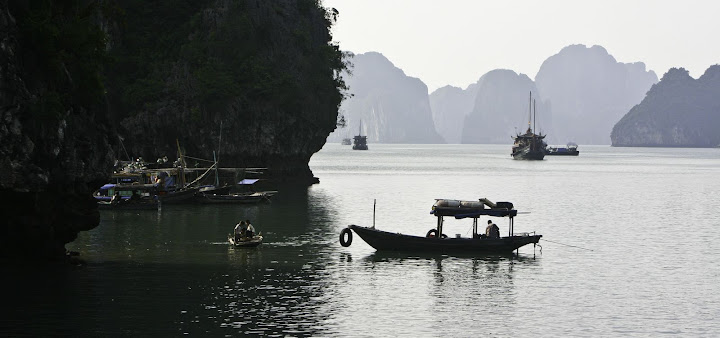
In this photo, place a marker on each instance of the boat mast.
(217, 159)
(530, 110)
(534, 116)
(182, 164)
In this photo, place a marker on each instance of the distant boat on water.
(359, 141)
(529, 146)
(569, 150)
(346, 141)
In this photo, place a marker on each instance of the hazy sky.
(456, 41)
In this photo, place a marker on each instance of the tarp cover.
(472, 213)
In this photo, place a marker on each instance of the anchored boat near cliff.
(245, 197)
(529, 146)
(435, 241)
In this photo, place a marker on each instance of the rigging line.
(201, 176)
(199, 159)
(574, 246)
(125, 150)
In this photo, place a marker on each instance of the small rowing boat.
(245, 242)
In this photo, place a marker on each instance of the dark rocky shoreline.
(63, 103)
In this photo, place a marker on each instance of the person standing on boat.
(240, 230)
(492, 230)
(116, 198)
(250, 231)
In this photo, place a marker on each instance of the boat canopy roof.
(472, 209)
(139, 187)
(460, 213)
(248, 181)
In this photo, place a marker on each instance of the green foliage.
(262, 55)
(63, 53)
(149, 37)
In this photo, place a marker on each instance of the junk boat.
(346, 141)
(245, 242)
(360, 142)
(570, 150)
(435, 241)
(529, 146)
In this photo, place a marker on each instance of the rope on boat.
(203, 175)
(574, 246)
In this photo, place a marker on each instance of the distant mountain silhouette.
(449, 106)
(590, 91)
(678, 111)
(393, 107)
(500, 108)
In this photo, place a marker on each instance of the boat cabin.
(474, 210)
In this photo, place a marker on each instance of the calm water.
(650, 217)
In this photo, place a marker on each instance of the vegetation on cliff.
(678, 111)
(53, 133)
(268, 72)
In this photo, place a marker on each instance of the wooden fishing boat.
(132, 196)
(240, 198)
(246, 242)
(432, 242)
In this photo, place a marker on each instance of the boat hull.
(235, 198)
(127, 205)
(563, 153)
(178, 196)
(387, 241)
(528, 154)
(250, 243)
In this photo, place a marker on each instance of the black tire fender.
(431, 233)
(343, 241)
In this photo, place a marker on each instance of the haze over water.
(648, 215)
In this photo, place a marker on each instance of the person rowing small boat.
(244, 235)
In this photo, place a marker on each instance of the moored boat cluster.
(140, 185)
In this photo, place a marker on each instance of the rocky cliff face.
(501, 106)
(393, 107)
(450, 105)
(590, 91)
(54, 149)
(264, 75)
(264, 71)
(678, 111)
